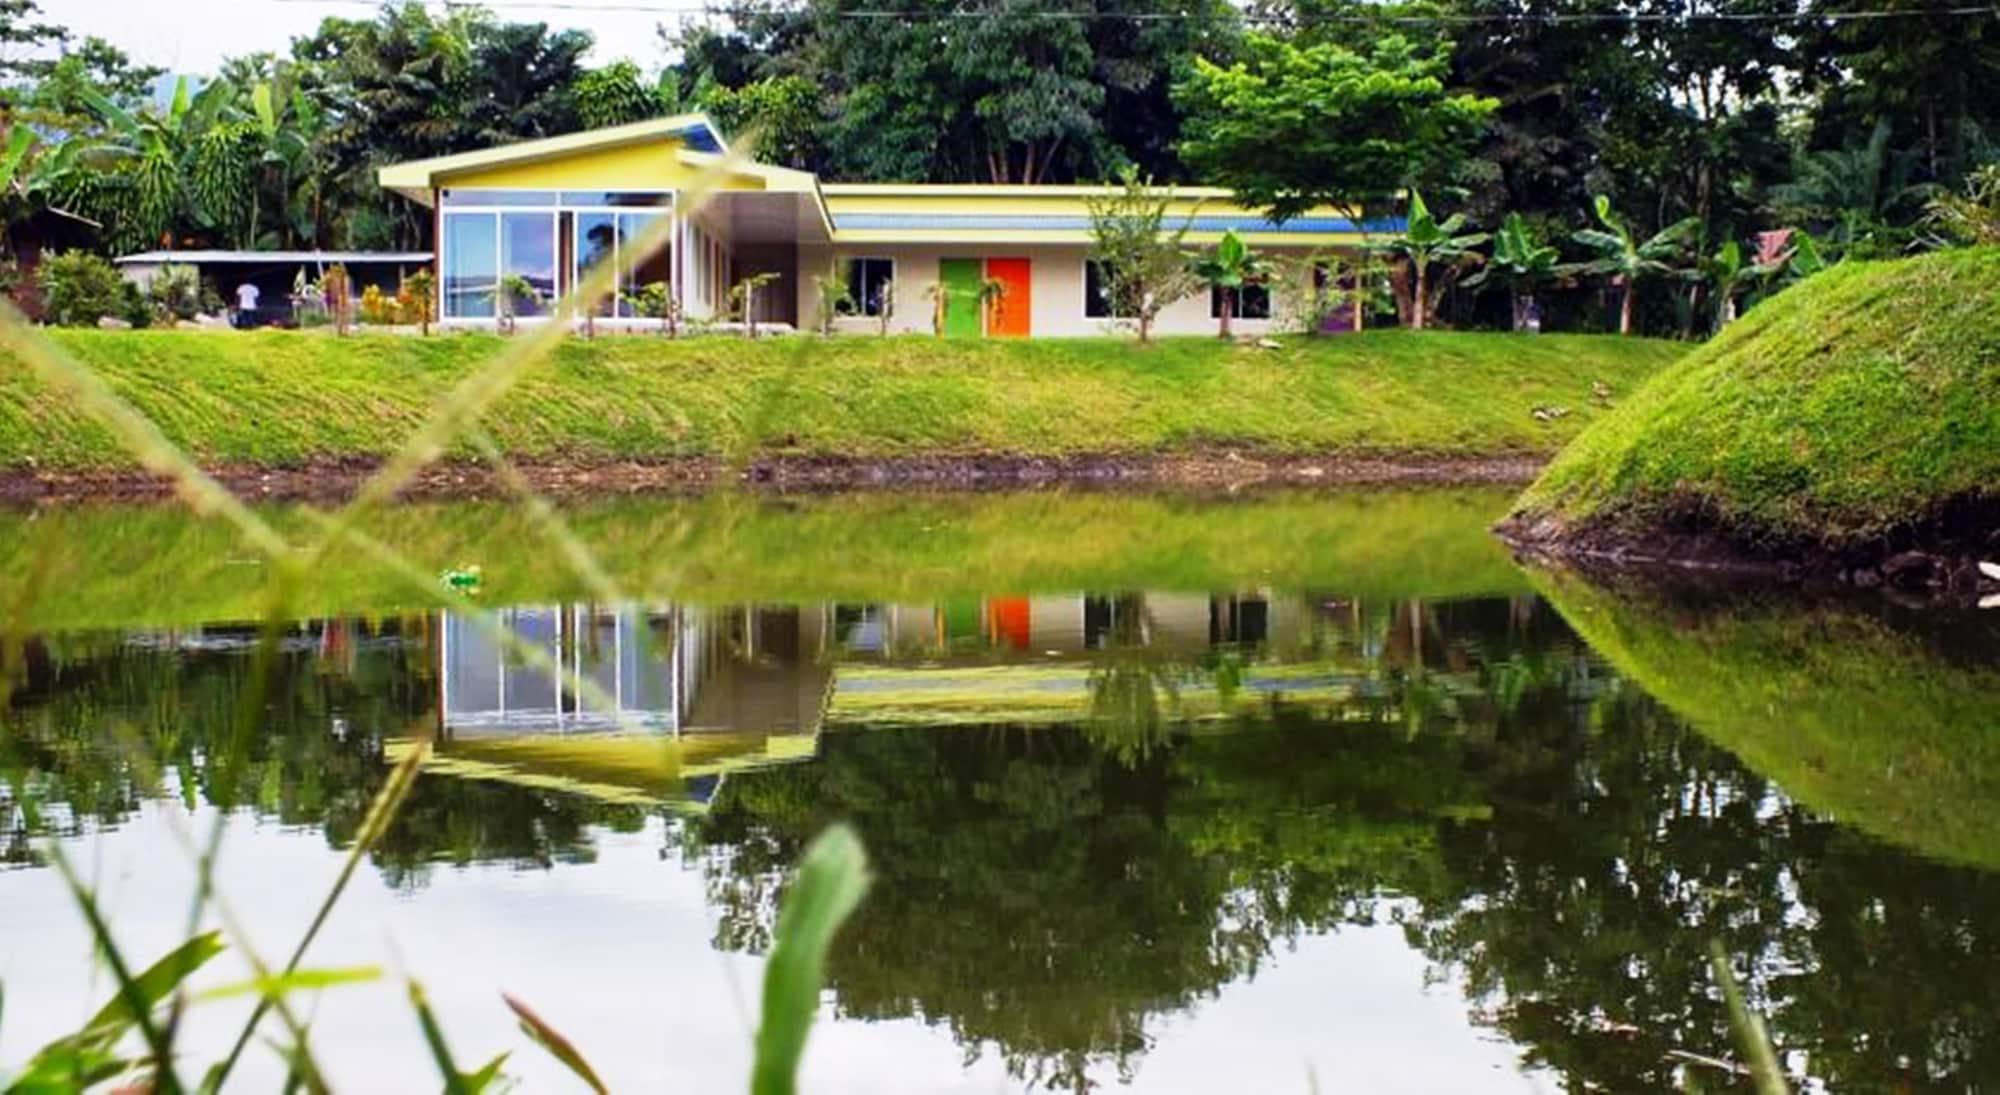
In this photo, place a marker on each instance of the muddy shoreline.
(1936, 558)
(333, 481)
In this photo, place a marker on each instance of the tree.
(1227, 269)
(1521, 263)
(1295, 126)
(1427, 242)
(1629, 260)
(783, 110)
(613, 95)
(1144, 264)
(1971, 218)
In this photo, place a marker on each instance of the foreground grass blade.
(135, 431)
(455, 1082)
(380, 813)
(1750, 1033)
(552, 1040)
(832, 878)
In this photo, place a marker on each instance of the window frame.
(650, 203)
(1262, 286)
(857, 279)
(1110, 314)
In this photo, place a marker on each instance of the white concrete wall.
(1055, 283)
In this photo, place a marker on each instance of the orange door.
(1011, 310)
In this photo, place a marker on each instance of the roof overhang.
(417, 179)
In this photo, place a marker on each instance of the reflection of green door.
(960, 279)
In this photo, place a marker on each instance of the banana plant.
(1628, 259)
(1427, 242)
(151, 174)
(1229, 268)
(1521, 262)
(1728, 275)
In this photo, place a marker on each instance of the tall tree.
(1293, 126)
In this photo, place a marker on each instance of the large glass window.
(1097, 302)
(471, 264)
(596, 242)
(870, 283)
(656, 266)
(1252, 302)
(528, 248)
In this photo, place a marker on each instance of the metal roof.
(309, 257)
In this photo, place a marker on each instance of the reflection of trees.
(1564, 845)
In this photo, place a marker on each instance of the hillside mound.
(1847, 422)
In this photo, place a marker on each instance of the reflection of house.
(628, 704)
(675, 669)
(547, 210)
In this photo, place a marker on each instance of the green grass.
(83, 567)
(1860, 720)
(285, 398)
(1859, 402)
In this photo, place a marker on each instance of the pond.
(1287, 792)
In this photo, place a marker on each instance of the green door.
(960, 279)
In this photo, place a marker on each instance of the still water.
(1289, 793)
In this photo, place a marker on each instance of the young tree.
(1521, 262)
(1144, 264)
(1228, 268)
(1294, 126)
(1427, 242)
(1630, 260)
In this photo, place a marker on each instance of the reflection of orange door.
(1008, 619)
(1011, 311)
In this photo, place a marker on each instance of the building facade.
(530, 219)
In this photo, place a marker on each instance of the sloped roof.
(415, 178)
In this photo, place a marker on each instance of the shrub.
(79, 288)
(414, 299)
(133, 306)
(176, 292)
(379, 308)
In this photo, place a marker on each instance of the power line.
(1294, 19)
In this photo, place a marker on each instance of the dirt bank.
(335, 480)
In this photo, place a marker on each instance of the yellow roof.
(416, 178)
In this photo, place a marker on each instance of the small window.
(1097, 302)
(1252, 302)
(870, 283)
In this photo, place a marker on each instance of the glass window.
(1097, 302)
(528, 248)
(596, 242)
(1252, 302)
(511, 198)
(471, 264)
(870, 283)
(658, 266)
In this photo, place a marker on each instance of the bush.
(133, 307)
(79, 288)
(176, 292)
(379, 308)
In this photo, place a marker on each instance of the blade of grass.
(381, 812)
(454, 1080)
(559, 1047)
(832, 878)
(1749, 1028)
(135, 431)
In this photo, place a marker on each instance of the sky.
(193, 36)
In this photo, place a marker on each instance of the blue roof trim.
(702, 139)
(1063, 223)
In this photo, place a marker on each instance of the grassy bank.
(82, 567)
(1858, 403)
(1857, 718)
(277, 397)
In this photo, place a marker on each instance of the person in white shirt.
(246, 304)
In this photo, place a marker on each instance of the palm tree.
(1228, 268)
(1629, 260)
(1427, 242)
(1727, 275)
(1520, 262)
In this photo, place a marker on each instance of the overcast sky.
(194, 35)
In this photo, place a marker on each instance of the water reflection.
(1093, 813)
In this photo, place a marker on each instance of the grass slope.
(87, 567)
(1860, 720)
(1859, 402)
(278, 397)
